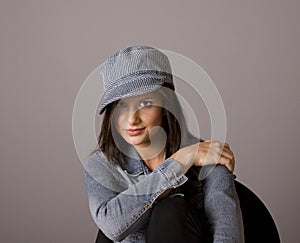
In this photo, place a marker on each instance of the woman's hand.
(205, 153)
(214, 152)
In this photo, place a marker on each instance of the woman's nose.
(134, 116)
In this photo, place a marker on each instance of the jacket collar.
(134, 163)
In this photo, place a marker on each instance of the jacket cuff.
(172, 170)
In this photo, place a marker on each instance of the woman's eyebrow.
(147, 98)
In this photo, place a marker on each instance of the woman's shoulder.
(96, 157)
(99, 170)
(98, 161)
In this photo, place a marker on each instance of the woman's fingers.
(227, 157)
(215, 152)
(229, 163)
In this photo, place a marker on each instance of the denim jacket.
(120, 200)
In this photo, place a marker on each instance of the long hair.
(173, 123)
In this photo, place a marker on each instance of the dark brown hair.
(173, 124)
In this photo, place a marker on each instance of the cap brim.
(130, 88)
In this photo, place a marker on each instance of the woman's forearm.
(119, 213)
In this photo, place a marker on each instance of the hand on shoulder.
(205, 153)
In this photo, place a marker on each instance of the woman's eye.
(121, 104)
(145, 103)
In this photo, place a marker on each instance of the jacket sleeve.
(222, 206)
(119, 208)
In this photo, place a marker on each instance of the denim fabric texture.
(120, 200)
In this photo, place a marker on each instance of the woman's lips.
(135, 132)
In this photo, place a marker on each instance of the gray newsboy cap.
(134, 71)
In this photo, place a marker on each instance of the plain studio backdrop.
(250, 49)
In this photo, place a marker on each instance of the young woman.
(143, 181)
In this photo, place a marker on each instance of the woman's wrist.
(184, 157)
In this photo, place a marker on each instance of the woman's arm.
(205, 153)
(118, 210)
(222, 206)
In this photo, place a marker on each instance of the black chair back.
(259, 226)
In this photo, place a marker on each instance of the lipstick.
(135, 132)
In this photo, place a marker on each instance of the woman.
(143, 181)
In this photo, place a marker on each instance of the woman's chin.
(138, 143)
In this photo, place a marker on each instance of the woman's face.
(134, 117)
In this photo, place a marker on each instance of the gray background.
(249, 48)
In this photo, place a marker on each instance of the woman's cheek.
(120, 122)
